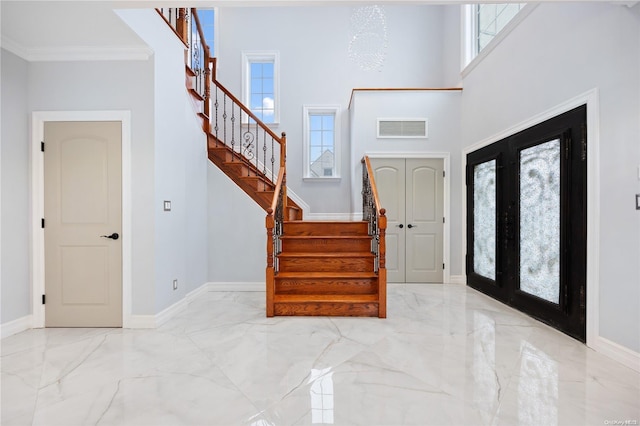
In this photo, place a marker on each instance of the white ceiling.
(89, 29)
(50, 30)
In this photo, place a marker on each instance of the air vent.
(402, 128)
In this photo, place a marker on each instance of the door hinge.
(443, 266)
(443, 220)
(43, 299)
(444, 174)
(42, 223)
(567, 148)
(42, 146)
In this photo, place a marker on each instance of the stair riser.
(255, 183)
(323, 229)
(304, 264)
(325, 286)
(327, 309)
(223, 154)
(326, 245)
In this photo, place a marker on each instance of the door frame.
(591, 100)
(446, 160)
(38, 118)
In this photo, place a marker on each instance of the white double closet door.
(411, 190)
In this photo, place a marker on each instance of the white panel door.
(412, 192)
(424, 220)
(390, 176)
(83, 268)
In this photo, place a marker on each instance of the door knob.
(401, 226)
(113, 236)
(411, 226)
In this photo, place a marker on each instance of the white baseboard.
(616, 352)
(142, 321)
(236, 286)
(154, 321)
(16, 326)
(458, 279)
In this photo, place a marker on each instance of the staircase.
(313, 268)
(255, 183)
(326, 268)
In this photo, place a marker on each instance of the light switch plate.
(167, 206)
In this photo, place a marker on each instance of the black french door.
(527, 221)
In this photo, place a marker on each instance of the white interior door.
(424, 220)
(390, 181)
(412, 192)
(82, 204)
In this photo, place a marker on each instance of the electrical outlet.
(175, 284)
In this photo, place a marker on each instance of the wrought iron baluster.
(233, 130)
(216, 105)
(224, 119)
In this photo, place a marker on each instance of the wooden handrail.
(374, 188)
(276, 193)
(377, 230)
(194, 13)
(247, 111)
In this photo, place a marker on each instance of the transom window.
(260, 88)
(485, 25)
(321, 131)
(491, 19)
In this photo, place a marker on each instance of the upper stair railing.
(374, 215)
(232, 124)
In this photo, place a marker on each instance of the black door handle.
(409, 226)
(113, 236)
(401, 226)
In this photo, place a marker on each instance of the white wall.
(119, 85)
(237, 233)
(16, 291)
(180, 166)
(442, 110)
(316, 69)
(561, 51)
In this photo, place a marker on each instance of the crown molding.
(77, 53)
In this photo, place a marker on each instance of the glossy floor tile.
(446, 355)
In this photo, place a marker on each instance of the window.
(484, 23)
(491, 19)
(207, 17)
(260, 88)
(322, 142)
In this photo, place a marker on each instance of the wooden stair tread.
(329, 222)
(330, 298)
(327, 255)
(328, 275)
(320, 237)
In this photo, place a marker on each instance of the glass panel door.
(540, 221)
(526, 221)
(484, 219)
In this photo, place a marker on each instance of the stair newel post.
(270, 224)
(207, 89)
(283, 165)
(382, 269)
(182, 25)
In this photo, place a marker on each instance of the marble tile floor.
(446, 355)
